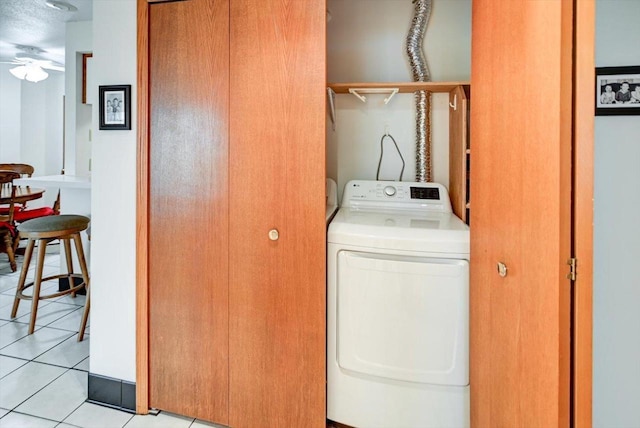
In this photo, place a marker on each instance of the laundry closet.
(231, 270)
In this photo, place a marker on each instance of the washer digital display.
(431, 193)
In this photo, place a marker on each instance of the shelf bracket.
(359, 91)
(332, 106)
(454, 106)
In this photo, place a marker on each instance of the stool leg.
(69, 260)
(85, 276)
(23, 275)
(42, 249)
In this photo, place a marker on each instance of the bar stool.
(44, 230)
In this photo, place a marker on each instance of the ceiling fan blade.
(52, 67)
(42, 63)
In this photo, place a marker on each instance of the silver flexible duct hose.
(423, 136)
(419, 66)
(420, 72)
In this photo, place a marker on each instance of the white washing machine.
(398, 308)
(331, 195)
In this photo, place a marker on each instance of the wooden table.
(23, 194)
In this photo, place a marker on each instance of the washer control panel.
(396, 194)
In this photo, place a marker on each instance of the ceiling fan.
(30, 67)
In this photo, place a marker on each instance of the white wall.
(31, 124)
(32, 111)
(54, 123)
(83, 124)
(113, 177)
(10, 89)
(616, 288)
(77, 121)
(41, 124)
(366, 43)
(31, 121)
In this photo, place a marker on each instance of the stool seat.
(43, 230)
(53, 226)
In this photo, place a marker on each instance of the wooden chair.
(8, 233)
(11, 215)
(25, 170)
(20, 212)
(20, 216)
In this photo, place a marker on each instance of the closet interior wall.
(366, 43)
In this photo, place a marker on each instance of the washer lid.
(420, 231)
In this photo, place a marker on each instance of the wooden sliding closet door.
(188, 217)
(276, 174)
(521, 129)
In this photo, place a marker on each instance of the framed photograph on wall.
(115, 107)
(618, 91)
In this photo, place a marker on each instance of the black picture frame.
(115, 117)
(610, 82)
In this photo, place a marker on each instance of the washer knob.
(389, 190)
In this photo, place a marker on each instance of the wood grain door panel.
(188, 218)
(277, 168)
(458, 145)
(520, 212)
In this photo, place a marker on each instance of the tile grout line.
(31, 396)
(9, 292)
(37, 362)
(71, 413)
(51, 349)
(34, 332)
(64, 316)
(17, 358)
(67, 423)
(33, 416)
(75, 308)
(64, 329)
(20, 338)
(67, 369)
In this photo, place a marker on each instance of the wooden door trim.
(142, 215)
(85, 57)
(584, 93)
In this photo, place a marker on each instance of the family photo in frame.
(115, 107)
(618, 90)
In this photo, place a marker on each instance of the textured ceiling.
(32, 23)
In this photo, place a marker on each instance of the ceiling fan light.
(20, 71)
(36, 74)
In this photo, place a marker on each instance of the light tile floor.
(43, 376)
